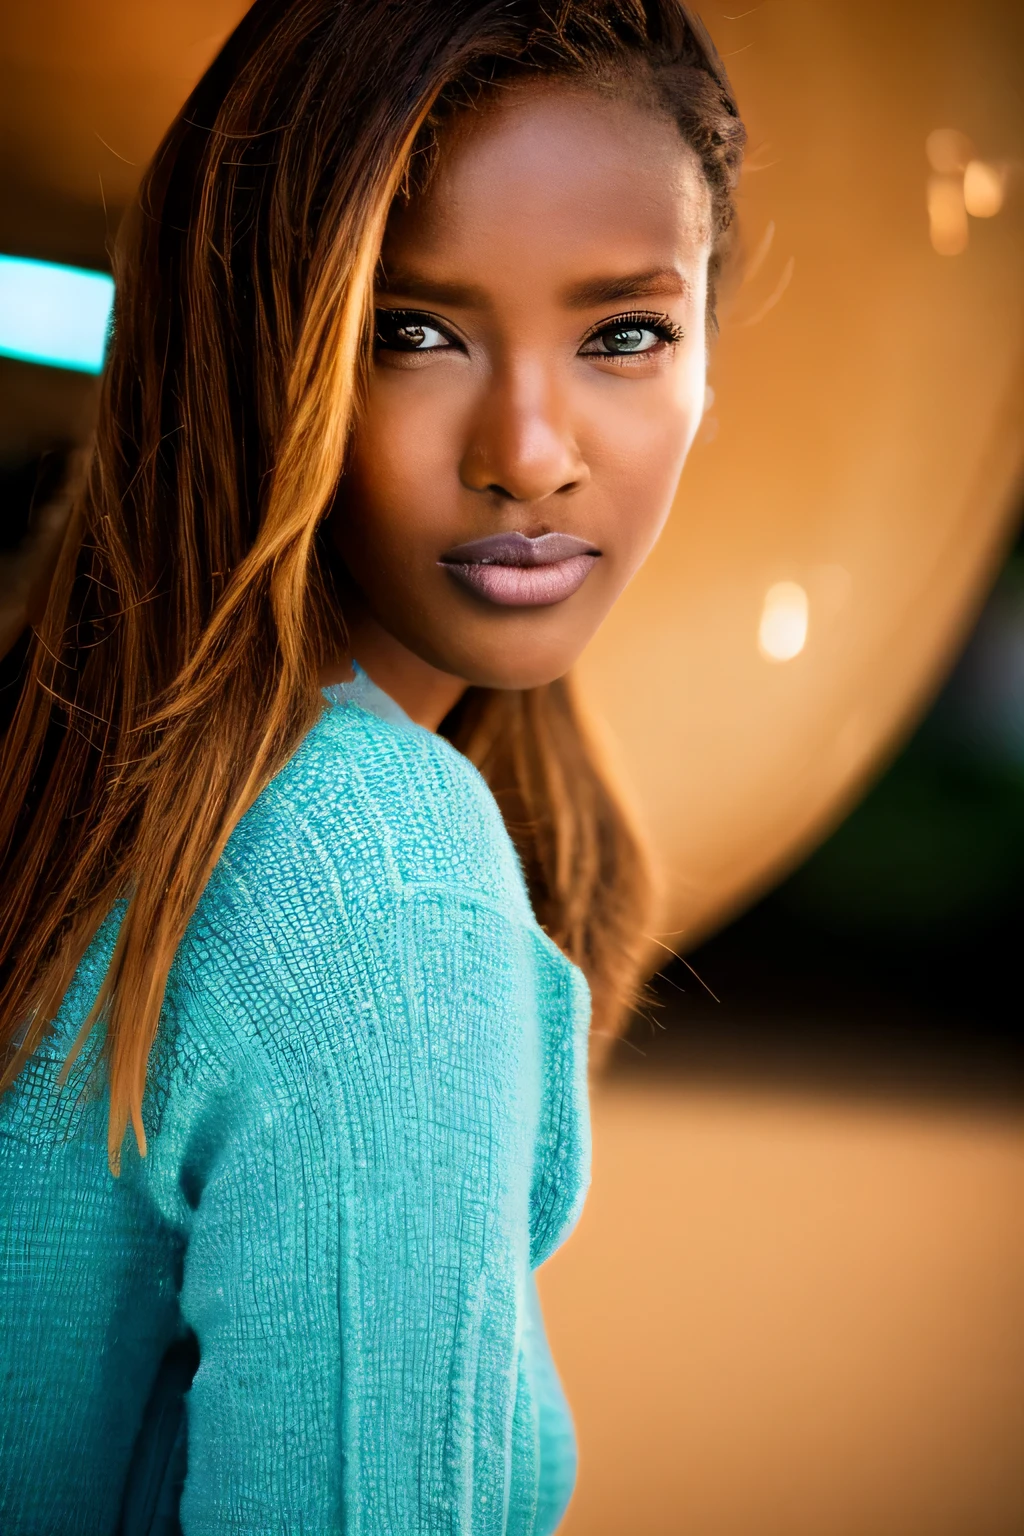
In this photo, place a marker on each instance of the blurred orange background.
(794, 1315)
(864, 446)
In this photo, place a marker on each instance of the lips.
(514, 571)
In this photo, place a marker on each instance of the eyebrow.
(655, 282)
(396, 281)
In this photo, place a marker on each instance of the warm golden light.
(983, 189)
(782, 633)
(947, 214)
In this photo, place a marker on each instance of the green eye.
(629, 340)
(631, 336)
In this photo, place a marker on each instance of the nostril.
(505, 494)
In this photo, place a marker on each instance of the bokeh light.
(984, 189)
(782, 632)
(54, 314)
(947, 215)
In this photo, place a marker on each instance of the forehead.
(552, 179)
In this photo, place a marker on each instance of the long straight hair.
(174, 670)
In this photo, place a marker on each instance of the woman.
(409, 352)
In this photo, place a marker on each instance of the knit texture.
(367, 1124)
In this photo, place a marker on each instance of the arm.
(357, 1268)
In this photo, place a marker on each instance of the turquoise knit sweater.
(367, 1125)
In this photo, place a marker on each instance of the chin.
(521, 681)
(524, 673)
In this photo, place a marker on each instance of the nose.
(521, 445)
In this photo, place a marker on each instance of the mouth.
(514, 571)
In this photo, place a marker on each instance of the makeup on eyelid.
(406, 331)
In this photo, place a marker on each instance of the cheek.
(395, 509)
(399, 448)
(641, 446)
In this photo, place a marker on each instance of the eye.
(409, 330)
(631, 335)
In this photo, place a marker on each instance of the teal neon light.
(53, 314)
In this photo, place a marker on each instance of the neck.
(424, 692)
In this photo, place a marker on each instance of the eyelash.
(665, 329)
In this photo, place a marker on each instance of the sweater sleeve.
(260, 1290)
(358, 1189)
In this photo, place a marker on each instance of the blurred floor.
(792, 1313)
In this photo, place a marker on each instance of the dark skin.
(540, 368)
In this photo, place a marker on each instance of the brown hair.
(174, 670)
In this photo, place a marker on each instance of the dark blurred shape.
(892, 957)
(34, 507)
(27, 483)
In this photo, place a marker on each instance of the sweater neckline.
(362, 690)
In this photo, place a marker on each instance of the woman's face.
(537, 382)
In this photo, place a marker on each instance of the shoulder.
(368, 918)
(387, 801)
(371, 884)
(364, 815)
